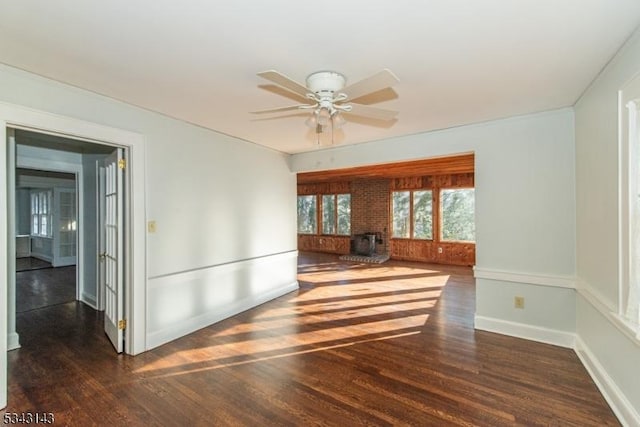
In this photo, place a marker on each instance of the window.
(412, 214)
(41, 213)
(307, 215)
(328, 214)
(333, 214)
(400, 201)
(344, 214)
(457, 212)
(423, 215)
(336, 214)
(629, 288)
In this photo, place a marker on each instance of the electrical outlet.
(518, 302)
(439, 250)
(151, 226)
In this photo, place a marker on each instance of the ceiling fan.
(328, 98)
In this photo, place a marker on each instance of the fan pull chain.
(332, 130)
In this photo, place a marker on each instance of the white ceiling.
(459, 61)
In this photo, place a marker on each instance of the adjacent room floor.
(358, 344)
(39, 285)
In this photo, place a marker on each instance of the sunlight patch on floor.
(335, 311)
(341, 306)
(179, 367)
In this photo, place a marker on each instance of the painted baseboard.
(520, 330)
(13, 341)
(42, 257)
(90, 300)
(620, 405)
(169, 334)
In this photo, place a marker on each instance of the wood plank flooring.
(30, 263)
(42, 287)
(389, 344)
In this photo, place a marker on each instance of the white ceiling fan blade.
(289, 108)
(371, 112)
(379, 81)
(284, 81)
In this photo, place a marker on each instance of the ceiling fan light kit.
(330, 97)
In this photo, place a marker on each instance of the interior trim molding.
(166, 335)
(42, 256)
(13, 341)
(90, 300)
(620, 405)
(216, 279)
(594, 297)
(247, 262)
(567, 282)
(528, 332)
(622, 408)
(607, 310)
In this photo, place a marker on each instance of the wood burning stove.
(364, 244)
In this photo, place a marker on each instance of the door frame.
(19, 117)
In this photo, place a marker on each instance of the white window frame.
(629, 212)
(42, 211)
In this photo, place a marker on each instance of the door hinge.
(122, 163)
(122, 324)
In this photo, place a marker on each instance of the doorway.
(13, 116)
(46, 222)
(58, 222)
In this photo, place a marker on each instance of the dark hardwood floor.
(30, 263)
(389, 344)
(42, 287)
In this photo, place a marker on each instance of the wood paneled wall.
(435, 166)
(432, 174)
(339, 187)
(330, 244)
(451, 253)
(429, 182)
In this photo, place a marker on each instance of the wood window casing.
(435, 249)
(411, 215)
(319, 241)
(441, 217)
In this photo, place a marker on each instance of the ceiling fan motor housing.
(327, 95)
(325, 82)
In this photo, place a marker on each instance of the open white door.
(65, 228)
(101, 272)
(112, 257)
(12, 335)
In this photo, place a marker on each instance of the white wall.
(613, 353)
(23, 211)
(42, 248)
(525, 210)
(217, 201)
